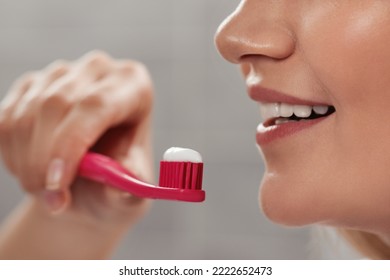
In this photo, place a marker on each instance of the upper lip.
(266, 95)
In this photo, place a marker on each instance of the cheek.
(351, 59)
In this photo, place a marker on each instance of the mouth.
(283, 113)
(283, 119)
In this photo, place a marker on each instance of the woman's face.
(328, 55)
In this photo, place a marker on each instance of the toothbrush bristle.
(181, 175)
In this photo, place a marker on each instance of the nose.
(255, 28)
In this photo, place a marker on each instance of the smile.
(283, 113)
(282, 120)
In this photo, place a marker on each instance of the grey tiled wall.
(200, 103)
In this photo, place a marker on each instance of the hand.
(51, 118)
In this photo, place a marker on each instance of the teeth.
(321, 110)
(284, 110)
(282, 121)
(270, 110)
(302, 111)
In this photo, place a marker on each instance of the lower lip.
(266, 135)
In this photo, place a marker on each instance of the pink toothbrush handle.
(105, 170)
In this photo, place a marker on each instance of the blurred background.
(201, 103)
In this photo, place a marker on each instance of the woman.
(314, 66)
(331, 170)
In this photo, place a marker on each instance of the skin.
(334, 173)
(332, 52)
(57, 115)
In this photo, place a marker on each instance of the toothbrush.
(180, 176)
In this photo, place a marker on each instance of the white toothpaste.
(182, 154)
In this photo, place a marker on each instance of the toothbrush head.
(182, 169)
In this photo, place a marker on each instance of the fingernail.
(55, 201)
(55, 173)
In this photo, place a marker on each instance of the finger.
(23, 119)
(138, 154)
(135, 98)
(42, 81)
(17, 90)
(94, 66)
(29, 102)
(137, 157)
(51, 83)
(73, 137)
(54, 72)
(52, 112)
(56, 103)
(31, 84)
(66, 85)
(58, 100)
(127, 68)
(18, 143)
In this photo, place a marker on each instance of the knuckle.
(96, 64)
(97, 53)
(24, 81)
(57, 64)
(97, 57)
(126, 68)
(144, 78)
(55, 100)
(141, 73)
(28, 76)
(95, 100)
(146, 86)
(141, 68)
(141, 77)
(57, 68)
(65, 84)
(133, 68)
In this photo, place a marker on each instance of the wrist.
(107, 210)
(33, 233)
(102, 221)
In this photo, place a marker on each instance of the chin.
(284, 204)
